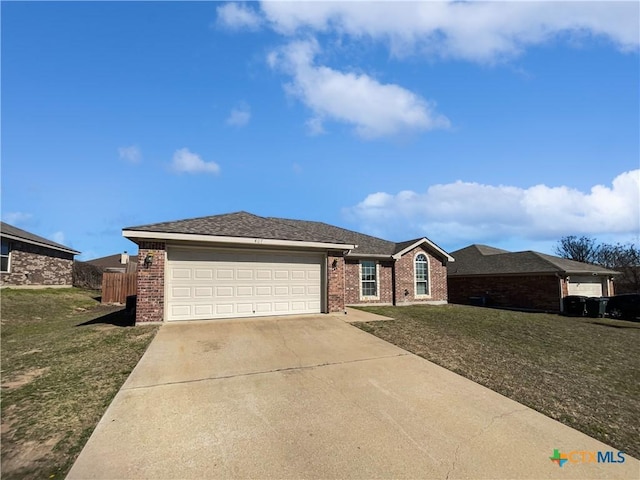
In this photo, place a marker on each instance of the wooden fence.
(116, 287)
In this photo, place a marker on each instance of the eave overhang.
(245, 241)
(40, 244)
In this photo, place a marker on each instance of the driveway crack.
(482, 431)
(263, 372)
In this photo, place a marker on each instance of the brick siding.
(404, 281)
(35, 265)
(150, 294)
(335, 282)
(385, 283)
(535, 292)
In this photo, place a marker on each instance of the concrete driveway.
(314, 397)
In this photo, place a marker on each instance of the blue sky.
(510, 124)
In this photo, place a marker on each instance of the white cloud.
(477, 31)
(188, 162)
(238, 15)
(239, 116)
(58, 237)
(373, 108)
(473, 213)
(131, 154)
(16, 218)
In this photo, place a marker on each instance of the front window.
(422, 275)
(4, 256)
(369, 278)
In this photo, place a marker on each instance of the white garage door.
(205, 284)
(587, 286)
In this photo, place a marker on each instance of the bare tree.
(624, 259)
(621, 258)
(580, 249)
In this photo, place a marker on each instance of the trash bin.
(574, 305)
(596, 306)
(478, 301)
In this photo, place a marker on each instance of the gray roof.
(7, 230)
(243, 224)
(111, 261)
(485, 260)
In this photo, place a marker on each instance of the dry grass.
(583, 372)
(58, 375)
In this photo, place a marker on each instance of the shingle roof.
(243, 224)
(15, 232)
(111, 261)
(485, 260)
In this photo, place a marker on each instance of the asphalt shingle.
(244, 224)
(6, 229)
(485, 260)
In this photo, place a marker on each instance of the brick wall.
(535, 292)
(405, 279)
(335, 282)
(150, 294)
(385, 283)
(35, 265)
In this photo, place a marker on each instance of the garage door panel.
(244, 291)
(264, 274)
(181, 292)
(264, 290)
(224, 309)
(245, 308)
(181, 311)
(204, 274)
(203, 310)
(224, 274)
(586, 286)
(244, 274)
(224, 291)
(181, 273)
(263, 308)
(212, 284)
(281, 290)
(203, 292)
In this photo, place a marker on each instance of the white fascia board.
(189, 237)
(40, 244)
(365, 255)
(420, 242)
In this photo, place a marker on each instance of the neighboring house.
(524, 280)
(30, 260)
(118, 263)
(242, 265)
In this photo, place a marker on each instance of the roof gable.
(9, 231)
(404, 247)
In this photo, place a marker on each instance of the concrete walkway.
(314, 397)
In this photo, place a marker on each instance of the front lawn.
(583, 372)
(58, 375)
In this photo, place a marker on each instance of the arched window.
(422, 275)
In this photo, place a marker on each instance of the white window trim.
(377, 295)
(8, 255)
(415, 277)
